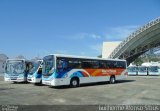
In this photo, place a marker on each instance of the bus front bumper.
(14, 79)
(57, 82)
(46, 82)
(34, 80)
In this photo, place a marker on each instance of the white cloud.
(111, 33)
(96, 47)
(82, 53)
(86, 36)
(61, 52)
(119, 33)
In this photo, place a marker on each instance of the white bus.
(132, 70)
(154, 70)
(16, 70)
(142, 70)
(74, 70)
(35, 75)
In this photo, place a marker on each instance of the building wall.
(108, 48)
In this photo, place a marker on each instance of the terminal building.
(108, 48)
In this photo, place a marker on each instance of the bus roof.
(84, 57)
(16, 59)
(142, 66)
(132, 66)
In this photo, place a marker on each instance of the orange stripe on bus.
(104, 72)
(85, 74)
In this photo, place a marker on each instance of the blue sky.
(77, 27)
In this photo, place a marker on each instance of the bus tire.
(112, 80)
(14, 82)
(74, 82)
(40, 82)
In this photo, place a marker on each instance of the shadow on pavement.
(2, 89)
(93, 84)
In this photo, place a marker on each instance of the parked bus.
(35, 75)
(16, 70)
(142, 70)
(73, 70)
(153, 70)
(132, 70)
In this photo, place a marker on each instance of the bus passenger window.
(102, 65)
(62, 65)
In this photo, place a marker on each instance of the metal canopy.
(139, 42)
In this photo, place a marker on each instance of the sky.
(76, 27)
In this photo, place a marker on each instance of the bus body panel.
(63, 76)
(142, 73)
(35, 78)
(132, 73)
(154, 73)
(91, 79)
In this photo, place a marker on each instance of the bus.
(16, 70)
(35, 75)
(70, 70)
(132, 70)
(154, 70)
(143, 70)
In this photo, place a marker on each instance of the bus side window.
(73, 63)
(95, 64)
(102, 64)
(40, 71)
(109, 64)
(121, 64)
(62, 65)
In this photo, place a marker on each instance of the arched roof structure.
(139, 42)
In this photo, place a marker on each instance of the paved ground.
(134, 90)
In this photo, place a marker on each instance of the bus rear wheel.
(112, 80)
(74, 82)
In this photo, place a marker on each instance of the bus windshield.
(132, 69)
(153, 69)
(142, 69)
(35, 66)
(15, 67)
(48, 65)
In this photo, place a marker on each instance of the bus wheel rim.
(74, 82)
(112, 80)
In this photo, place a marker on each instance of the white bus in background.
(143, 70)
(153, 70)
(35, 75)
(16, 70)
(74, 70)
(132, 70)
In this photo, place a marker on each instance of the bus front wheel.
(112, 80)
(74, 82)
